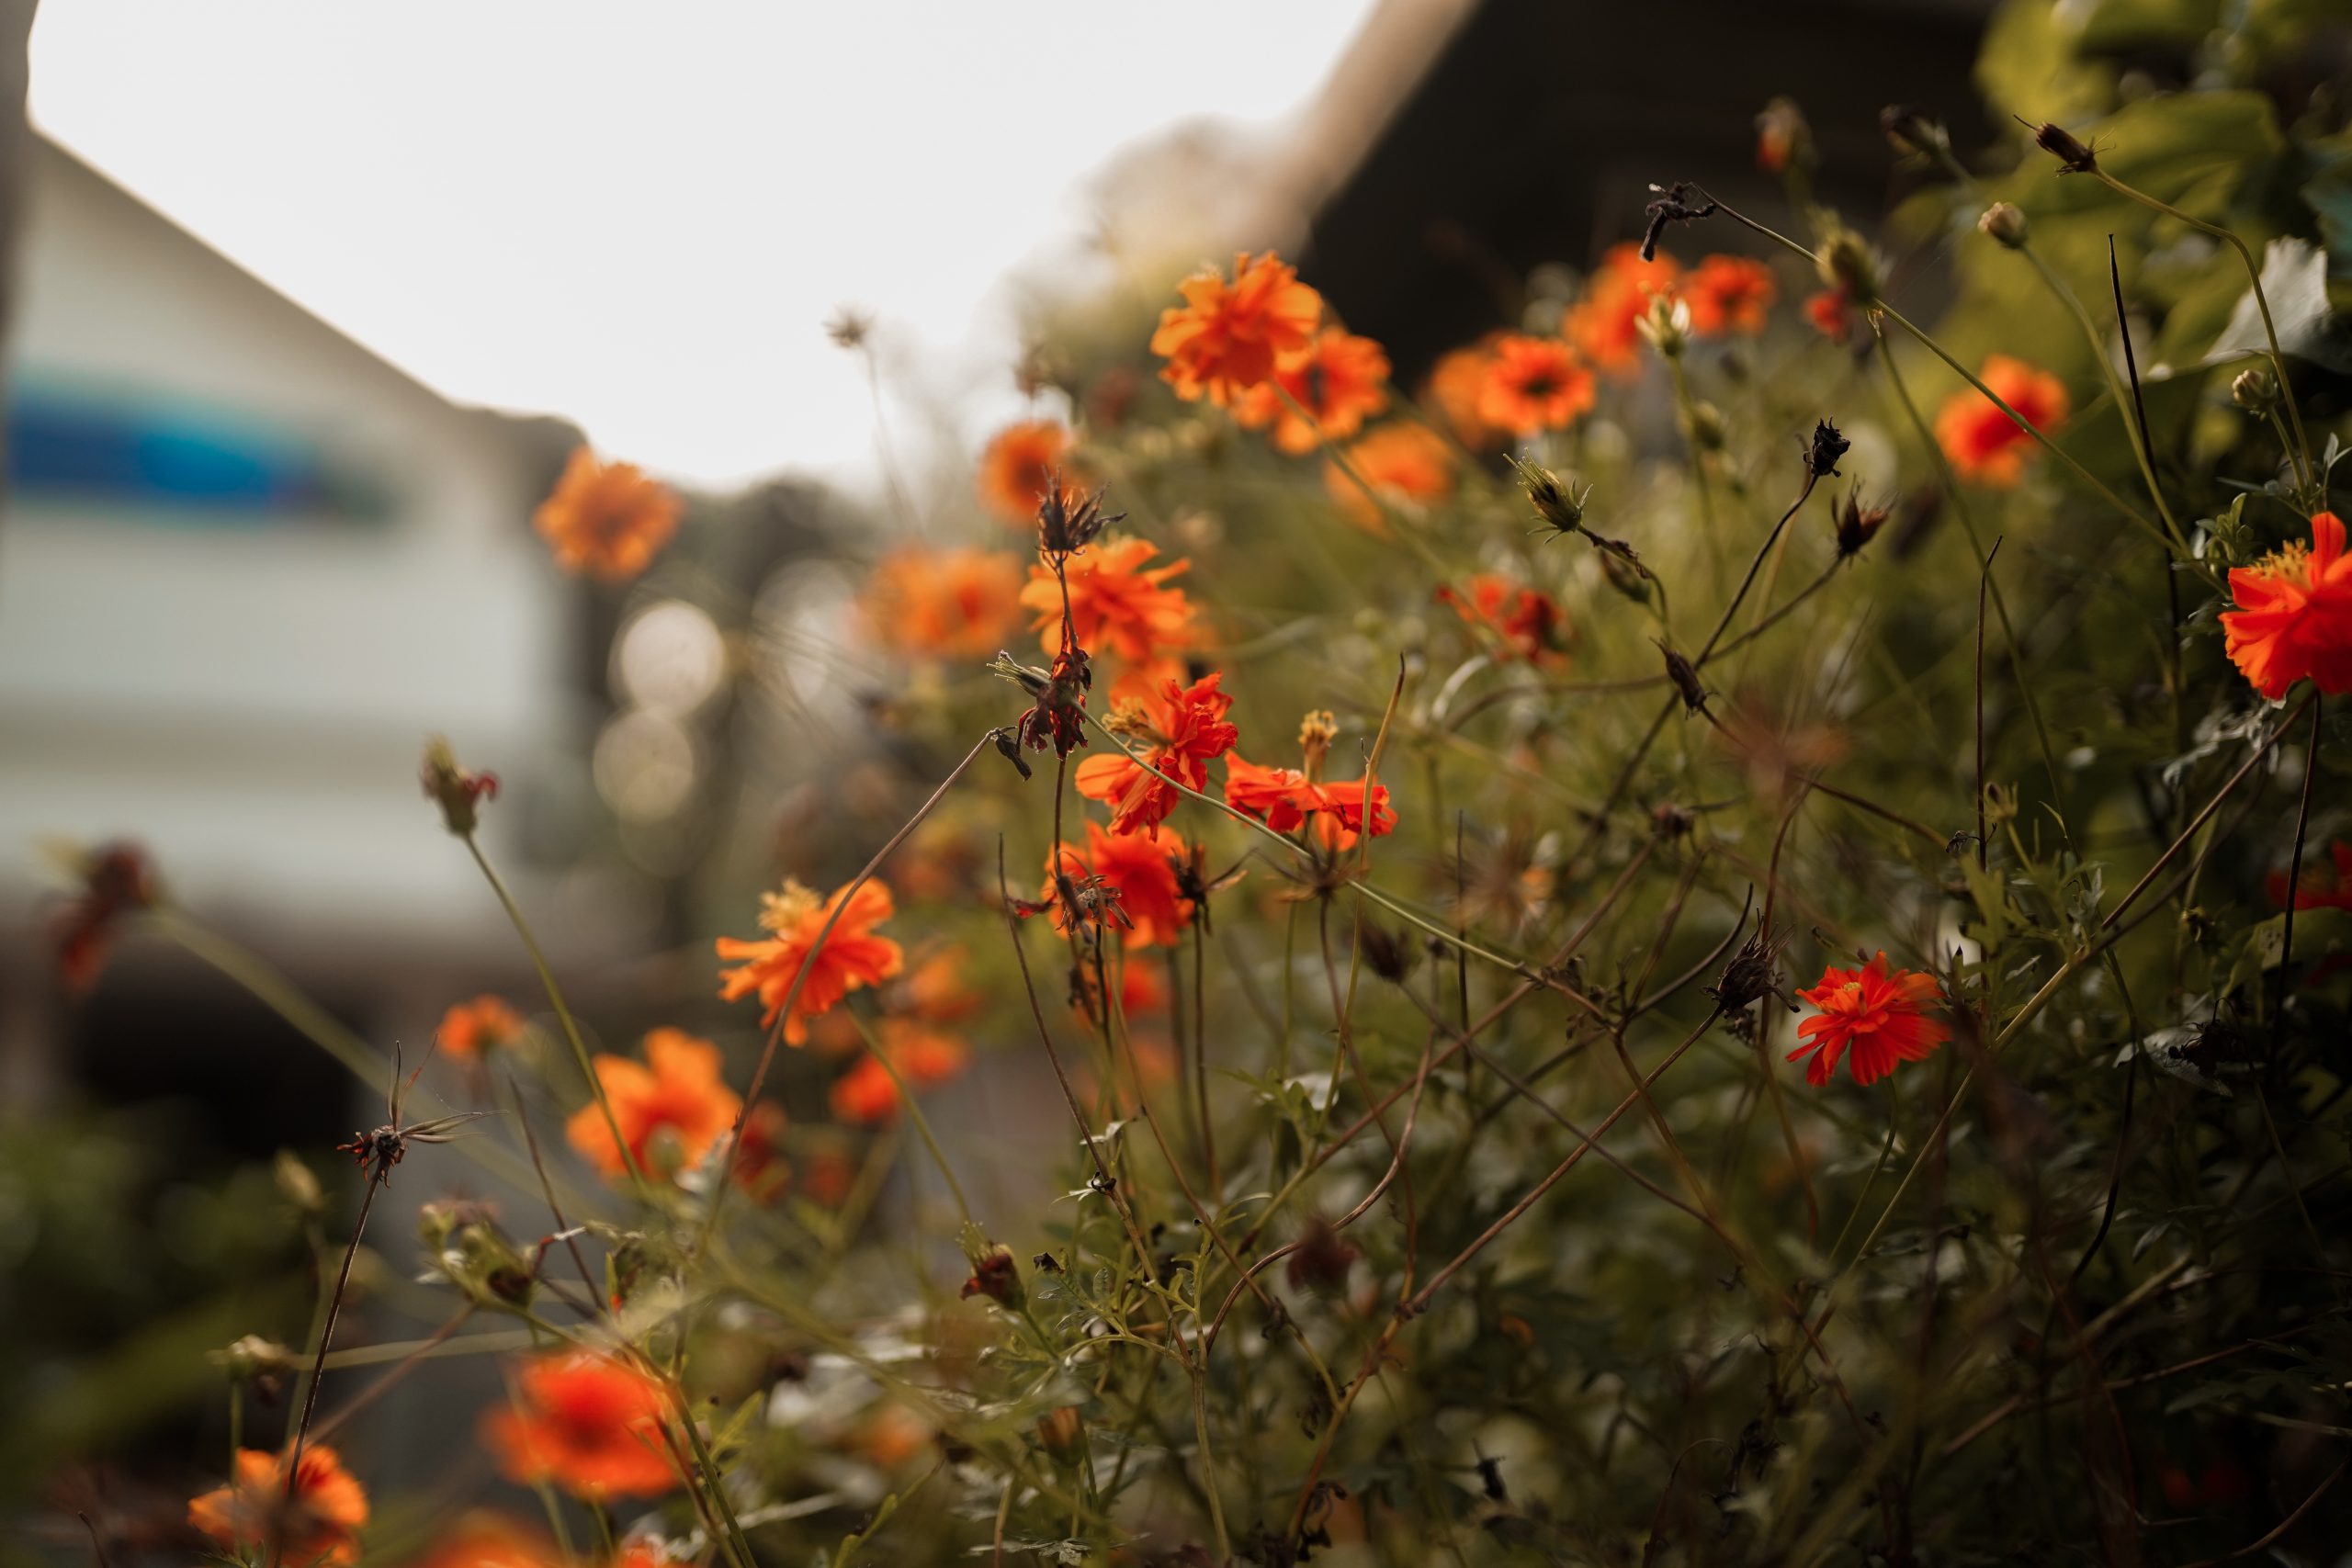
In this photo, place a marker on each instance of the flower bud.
(1322, 1259)
(1912, 132)
(2253, 390)
(458, 793)
(2063, 145)
(1857, 524)
(1626, 577)
(1685, 677)
(1703, 424)
(264, 1363)
(1060, 1430)
(1665, 325)
(2002, 222)
(997, 1277)
(1554, 500)
(1783, 136)
(1849, 264)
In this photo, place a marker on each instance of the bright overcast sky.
(638, 213)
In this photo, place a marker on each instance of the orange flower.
(607, 518)
(116, 879)
(935, 990)
(1455, 386)
(1533, 383)
(1605, 324)
(1284, 798)
(924, 1057)
(853, 956)
(677, 1096)
(933, 604)
(1226, 337)
(471, 1028)
(1136, 876)
(589, 1423)
(1403, 464)
(1728, 294)
(1116, 603)
(1982, 443)
(1339, 379)
(1020, 461)
(318, 1523)
(1832, 315)
(1528, 622)
(2318, 890)
(2294, 614)
(491, 1540)
(1183, 728)
(1881, 1014)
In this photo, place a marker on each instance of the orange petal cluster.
(1878, 1014)
(2329, 889)
(1284, 798)
(1528, 622)
(588, 1423)
(1400, 464)
(1118, 603)
(1181, 729)
(925, 1057)
(671, 1108)
(1534, 383)
(1227, 337)
(1018, 465)
(318, 1520)
(606, 519)
(1984, 443)
(1136, 877)
(470, 1029)
(1323, 392)
(1605, 324)
(852, 957)
(941, 603)
(2294, 614)
(1728, 294)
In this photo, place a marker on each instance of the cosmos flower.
(1402, 464)
(1454, 387)
(1181, 730)
(588, 1423)
(671, 1108)
(853, 956)
(1124, 880)
(941, 603)
(1728, 294)
(1605, 325)
(1339, 379)
(606, 519)
(1984, 444)
(1018, 465)
(2294, 614)
(1226, 337)
(1878, 1014)
(318, 1522)
(1528, 621)
(925, 1057)
(1117, 604)
(1534, 383)
(470, 1029)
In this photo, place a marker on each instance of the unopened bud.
(1703, 424)
(1912, 132)
(1666, 325)
(2002, 222)
(2253, 390)
(1060, 1430)
(2068, 149)
(459, 794)
(297, 1183)
(1849, 264)
(1554, 500)
(996, 1276)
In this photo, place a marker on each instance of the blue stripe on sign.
(86, 449)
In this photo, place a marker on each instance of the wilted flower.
(1857, 524)
(607, 519)
(459, 794)
(2073, 156)
(996, 1276)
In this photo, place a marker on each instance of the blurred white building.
(246, 566)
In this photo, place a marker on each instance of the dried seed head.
(1752, 975)
(1674, 205)
(1671, 821)
(1391, 958)
(1822, 454)
(1857, 524)
(2073, 156)
(1848, 265)
(849, 327)
(1628, 579)
(1323, 1259)
(2003, 223)
(1066, 525)
(996, 1276)
(1685, 676)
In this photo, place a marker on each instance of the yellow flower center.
(783, 912)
